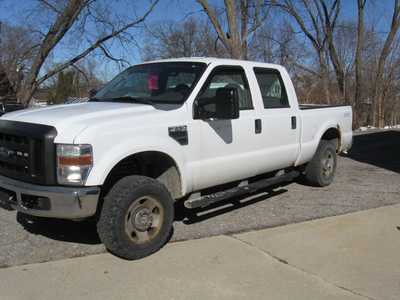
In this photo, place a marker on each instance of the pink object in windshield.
(152, 82)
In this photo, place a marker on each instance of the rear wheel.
(320, 171)
(136, 217)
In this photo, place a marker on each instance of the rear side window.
(272, 88)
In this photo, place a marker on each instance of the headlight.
(74, 163)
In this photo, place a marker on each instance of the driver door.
(225, 146)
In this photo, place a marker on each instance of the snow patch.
(369, 127)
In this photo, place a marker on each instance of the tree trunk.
(236, 39)
(234, 36)
(330, 17)
(378, 97)
(63, 23)
(381, 111)
(244, 17)
(358, 64)
(324, 74)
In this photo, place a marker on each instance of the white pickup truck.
(195, 130)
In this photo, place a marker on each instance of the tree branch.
(109, 56)
(95, 45)
(214, 20)
(81, 71)
(56, 32)
(51, 6)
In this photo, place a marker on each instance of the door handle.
(257, 126)
(294, 122)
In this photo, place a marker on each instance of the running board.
(252, 187)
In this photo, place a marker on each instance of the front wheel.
(321, 170)
(136, 218)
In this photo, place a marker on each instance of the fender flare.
(328, 127)
(108, 160)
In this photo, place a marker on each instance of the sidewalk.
(354, 256)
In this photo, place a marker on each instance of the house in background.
(8, 98)
(7, 92)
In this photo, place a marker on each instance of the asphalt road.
(368, 177)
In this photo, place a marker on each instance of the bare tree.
(56, 32)
(5, 85)
(358, 59)
(378, 84)
(322, 16)
(243, 18)
(277, 42)
(315, 34)
(345, 43)
(66, 17)
(329, 16)
(18, 46)
(181, 39)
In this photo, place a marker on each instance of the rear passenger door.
(279, 138)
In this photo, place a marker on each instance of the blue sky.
(18, 12)
(176, 9)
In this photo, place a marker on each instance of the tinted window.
(272, 88)
(228, 77)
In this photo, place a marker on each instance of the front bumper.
(49, 201)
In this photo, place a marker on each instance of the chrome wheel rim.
(328, 164)
(144, 219)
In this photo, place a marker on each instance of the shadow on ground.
(381, 149)
(83, 232)
(192, 216)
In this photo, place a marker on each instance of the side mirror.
(92, 93)
(225, 105)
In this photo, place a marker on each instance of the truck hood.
(71, 119)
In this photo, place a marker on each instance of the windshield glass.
(167, 82)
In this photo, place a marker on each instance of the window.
(272, 88)
(228, 77)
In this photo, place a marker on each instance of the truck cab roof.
(218, 61)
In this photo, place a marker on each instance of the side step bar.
(252, 187)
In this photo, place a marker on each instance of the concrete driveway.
(367, 178)
(348, 257)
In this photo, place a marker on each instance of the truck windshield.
(166, 82)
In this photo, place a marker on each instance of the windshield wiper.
(133, 100)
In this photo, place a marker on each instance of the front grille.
(20, 156)
(27, 152)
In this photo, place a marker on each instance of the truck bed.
(315, 119)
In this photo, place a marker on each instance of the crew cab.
(196, 130)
